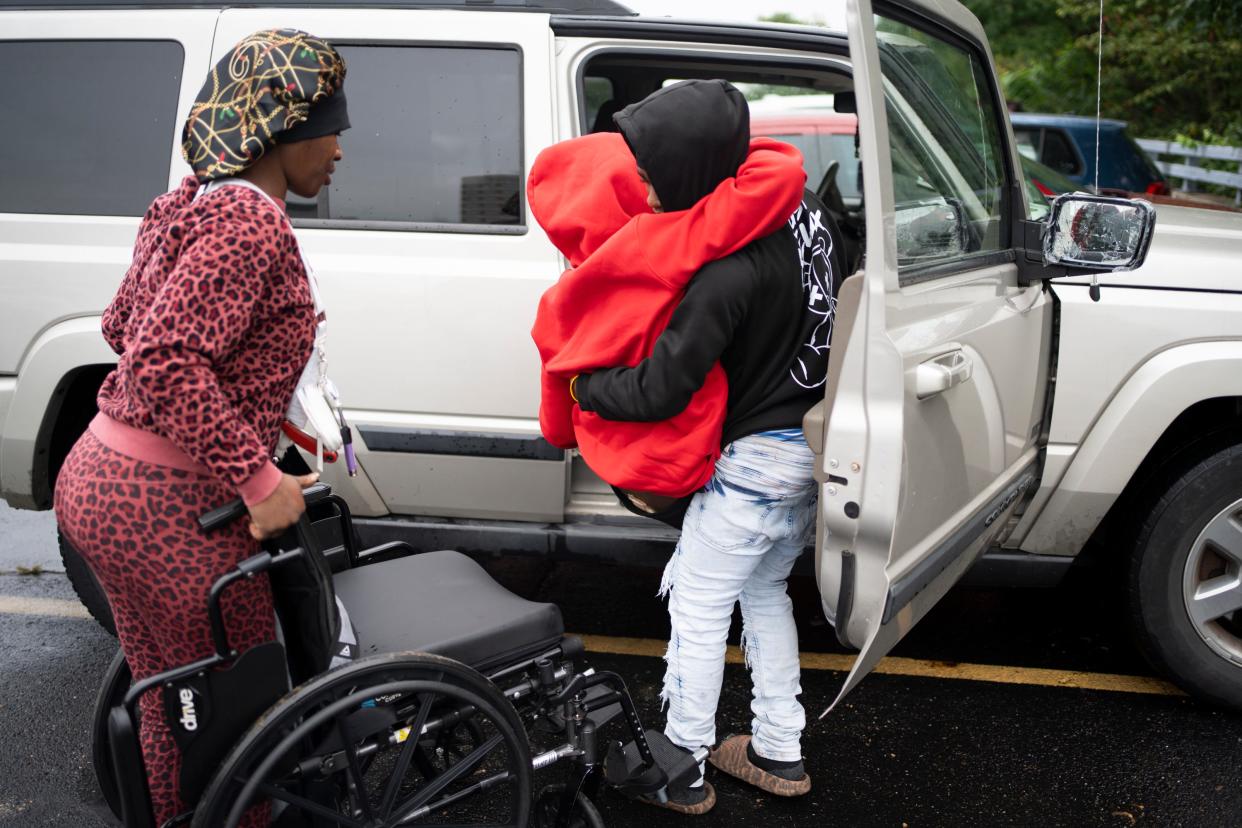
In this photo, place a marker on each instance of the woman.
(214, 323)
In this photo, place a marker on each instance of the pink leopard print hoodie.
(214, 322)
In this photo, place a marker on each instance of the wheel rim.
(391, 811)
(1212, 583)
(398, 785)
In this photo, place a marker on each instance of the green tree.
(1170, 67)
(784, 17)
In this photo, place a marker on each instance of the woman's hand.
(282, 508)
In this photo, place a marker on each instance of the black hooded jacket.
(764, 312)
(688, 137)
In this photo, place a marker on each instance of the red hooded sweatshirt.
(629, 268)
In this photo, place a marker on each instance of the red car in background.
(827, 138)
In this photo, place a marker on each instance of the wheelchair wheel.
(111, 693)
(394, 739)
(548, 810)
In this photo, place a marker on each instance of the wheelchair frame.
(544, 688)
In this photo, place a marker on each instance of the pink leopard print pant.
(135, 524)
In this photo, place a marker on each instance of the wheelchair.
(459, 692)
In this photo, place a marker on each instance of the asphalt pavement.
(983, 718)
(49, 673)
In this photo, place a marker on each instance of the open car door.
(929, 437)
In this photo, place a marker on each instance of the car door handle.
(935, 376)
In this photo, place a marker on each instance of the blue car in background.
(1066, 143)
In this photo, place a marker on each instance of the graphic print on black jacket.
(766, 313)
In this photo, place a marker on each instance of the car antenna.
(1094, 290)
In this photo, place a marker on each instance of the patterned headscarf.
(265, 86)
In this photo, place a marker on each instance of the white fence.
(1187, 168)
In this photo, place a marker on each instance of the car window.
(1059, 154)
(1144, 159)
(947, 152)
(840, 148)
(807, 144)
(72, 144)
(1027, 141)
(819, 150)
(436, 139)
(597, 92)
(1037, 206)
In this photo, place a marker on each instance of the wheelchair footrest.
(624, 769)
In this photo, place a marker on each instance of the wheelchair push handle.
(222, 516)
(289, 546)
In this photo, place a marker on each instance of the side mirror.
(929, 231)
(1094, 233)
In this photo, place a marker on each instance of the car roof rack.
(573, 7)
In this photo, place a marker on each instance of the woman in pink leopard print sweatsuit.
(214, 323)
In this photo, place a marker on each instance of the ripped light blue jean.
(741, 536)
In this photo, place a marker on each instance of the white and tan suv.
(976, 405)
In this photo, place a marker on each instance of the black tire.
(111, 693)
(548, 806)
(305, 727)
(87, 587)
(1191, 499)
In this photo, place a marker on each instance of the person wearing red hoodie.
(764, 315)
(629, 268)
(214, 324)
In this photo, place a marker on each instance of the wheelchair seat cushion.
(444, 603)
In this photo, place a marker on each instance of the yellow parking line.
(57, 607)
(892, 666)
(896, 666)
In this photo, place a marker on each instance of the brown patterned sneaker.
(733, 757)
(688, 801)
